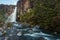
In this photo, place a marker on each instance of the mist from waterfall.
(12, 17)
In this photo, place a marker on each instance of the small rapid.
(18, 32)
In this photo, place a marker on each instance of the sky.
(8, 2)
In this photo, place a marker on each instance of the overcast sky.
(12, 2)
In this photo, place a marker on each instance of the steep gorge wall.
(8, 9)
(23, 7)
(5, 11)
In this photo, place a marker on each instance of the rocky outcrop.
(23, 6)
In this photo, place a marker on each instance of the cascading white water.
(12, 17)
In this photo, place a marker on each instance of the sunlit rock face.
(23, 6)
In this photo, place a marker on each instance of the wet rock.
(6, 38)
(19, 34)
(35, 30)
(1, 33)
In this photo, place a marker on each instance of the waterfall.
(12, 17)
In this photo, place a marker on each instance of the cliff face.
(8, 9)
(23, 7)
(5, 10)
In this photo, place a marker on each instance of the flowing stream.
(17, 29)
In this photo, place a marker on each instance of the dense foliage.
(2, 18)
(43, 13)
